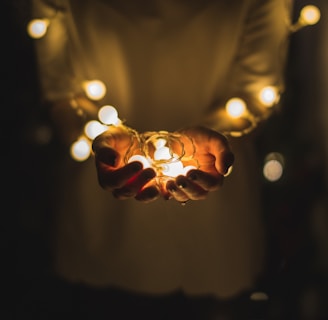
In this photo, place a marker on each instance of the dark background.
(295, 207)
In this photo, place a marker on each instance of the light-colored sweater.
(165, 64)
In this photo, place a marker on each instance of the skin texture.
(129, 180)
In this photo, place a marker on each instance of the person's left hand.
(214, 157)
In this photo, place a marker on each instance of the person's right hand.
(124, 180)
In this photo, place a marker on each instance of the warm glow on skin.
(162, 160)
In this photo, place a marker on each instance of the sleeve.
(259, 63)
(52, 52)
(60, 92)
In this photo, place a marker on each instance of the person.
(171, 66)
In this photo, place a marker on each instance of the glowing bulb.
(94, 128)
(108, 115)
(160, 143)
(272, 170)
(37, 28)
(235, 107)
(274, 166)
(162, 153)
(173, 169)
(156, 148)
(80, 149)
(268, 96)
(95, 89)
(310, 15)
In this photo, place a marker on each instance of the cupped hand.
(214, 157)
(124, 180)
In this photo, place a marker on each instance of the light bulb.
(272, 170)
(108, 115)
(235, 107)
(37, 28)
(173, 169)
(268, 96)
(94, 128)
(80, 150)
(273, 167)
(162, 153)
(95, 89)
(160, 143)
(309, 15)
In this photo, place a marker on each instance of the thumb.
(107, 156)
(225, 161)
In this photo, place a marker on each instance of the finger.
(176, 193)
(107, 156)
(219, 148)
(192, 190)
(205, 180)
(104, 140)
(134, 184)
(148, 194)
(119, 139)
(110, 178)
(224, 162)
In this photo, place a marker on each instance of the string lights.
(155, 148)
(164, 152)
(236, 108)
(309, 15)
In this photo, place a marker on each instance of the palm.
(210, 149)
